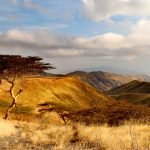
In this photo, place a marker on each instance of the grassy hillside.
(126, 88)
(137, 98)
(135, 92)
(80, 100)
(62, 91)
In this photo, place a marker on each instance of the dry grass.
(42, 135)
(6, 128)
(114, 114)
(66, 92)
(135, 137)
(135, 98)
(48, 132)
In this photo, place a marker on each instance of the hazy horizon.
(109, 70)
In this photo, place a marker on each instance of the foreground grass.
(44, 136)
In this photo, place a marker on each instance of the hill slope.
(63, 91)
(105, 81)
(131, 87)
(134, 91)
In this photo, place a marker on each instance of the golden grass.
(48, 132)
(43, 136)
(6, 128)
(66, 91)
(117, 138)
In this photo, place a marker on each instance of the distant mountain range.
(105, 81)
(133, 88)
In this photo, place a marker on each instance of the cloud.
(49, 45)
(103, 9)
(49, 8)
(36, 6)
(15, 2)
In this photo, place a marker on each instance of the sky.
(79, 34)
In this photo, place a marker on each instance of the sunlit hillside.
(65, 92)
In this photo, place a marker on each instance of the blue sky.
(62, 16)
(78, 34)
(24, 14)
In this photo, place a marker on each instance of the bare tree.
(14, 67)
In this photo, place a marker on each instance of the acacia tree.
(14, 67)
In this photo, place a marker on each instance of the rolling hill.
(68, 92)
(134, 91)
(105, 81)
(75, 99)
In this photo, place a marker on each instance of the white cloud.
(109, 45)
(103, 9)
(16, 35)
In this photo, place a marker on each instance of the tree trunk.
(9, 109)
(13, 104)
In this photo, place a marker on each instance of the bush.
(113, 114)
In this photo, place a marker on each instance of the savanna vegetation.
(13, 67)
(64, 113)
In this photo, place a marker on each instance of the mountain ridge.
(105, 81)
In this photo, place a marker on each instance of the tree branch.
(19, 92)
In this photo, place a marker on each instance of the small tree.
(14, 67)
